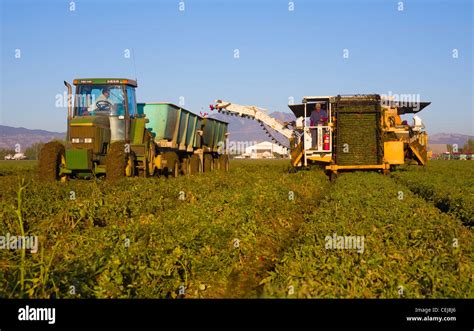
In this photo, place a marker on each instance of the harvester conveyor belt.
(266, 121)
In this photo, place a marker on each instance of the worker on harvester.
(318, 116)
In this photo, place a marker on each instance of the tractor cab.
(104, 112)
(109, 103)
(97, 100)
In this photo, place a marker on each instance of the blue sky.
(282, 53)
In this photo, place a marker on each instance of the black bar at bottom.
(242, 313)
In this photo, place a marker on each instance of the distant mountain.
(449, 138)
(10, 136)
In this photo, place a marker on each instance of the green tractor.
(106, 135)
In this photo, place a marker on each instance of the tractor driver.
(318, 116)
(105, 96)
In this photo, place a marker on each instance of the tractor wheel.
(118, 163)
(186, 166)
(208, 163)
(143, 172)
(130, 165)
(51, 158)
(147, 167)
(143, 169)
(196, 164)
(224, 162)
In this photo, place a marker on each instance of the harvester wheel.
(292, 170)
(196, 165)
(118, 163)
(208, 163)
(51, 158)
(224, 162)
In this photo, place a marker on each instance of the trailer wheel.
(224, 162)
(118, 163)
(175, 169)
(151, 160)
(196, 165)
(186, 166)
(216, 163)
(208, 163)
(51, 158)
(172, 164)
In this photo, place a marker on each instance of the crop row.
(372, 237)
(449, 185)
(209, 235)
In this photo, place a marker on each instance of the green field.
(255, 231)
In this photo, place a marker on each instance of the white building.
(17, 156)
(265, 150)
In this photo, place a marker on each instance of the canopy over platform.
(311, 101)
(412, 109)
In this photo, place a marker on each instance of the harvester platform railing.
(320, 130)
(256, 113)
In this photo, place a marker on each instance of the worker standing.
(318, 116)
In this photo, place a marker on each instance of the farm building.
(265, 150)
(456, 156)
(438, 148)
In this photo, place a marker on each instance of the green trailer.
(197, 143)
